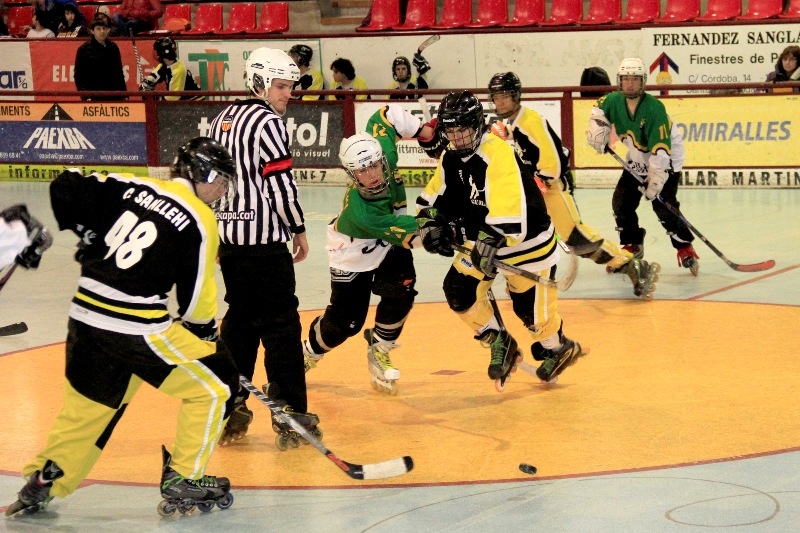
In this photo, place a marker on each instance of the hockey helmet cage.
(165, 48)
(632, 66)
(505, 83)
(203, 160)
(359, 152)
(401, 60)
(301, 54)
(265, 64)
(462, 110)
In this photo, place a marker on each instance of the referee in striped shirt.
(262, 218)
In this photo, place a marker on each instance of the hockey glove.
(421, 64)
(654, 183)
(147, 85)
(599, 133)
(31, 256)
(433, 145)
(206, 332)
(484, 252)
(435, 232)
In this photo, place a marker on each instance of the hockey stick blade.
(754, 267)
(386, 469)
(13, 329)
(429, 41)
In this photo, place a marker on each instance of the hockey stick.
(562, 284)
(426, 112)
(386, 469)
(427, 42)
(7, 275)
(136, 54)
(755, 267)
(13, 329)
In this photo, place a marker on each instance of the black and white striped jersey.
(265, 208)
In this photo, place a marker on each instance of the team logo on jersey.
(226, 125)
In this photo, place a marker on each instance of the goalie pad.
(599, 133)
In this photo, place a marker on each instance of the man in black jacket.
(98, 64)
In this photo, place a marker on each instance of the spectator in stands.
(3, 26)
(73, 24)
(38, 29)
(786, 68)
(98, 63)
(54, 10)
(345, 79)
(310, 80)
(137, 16)
(403, 80)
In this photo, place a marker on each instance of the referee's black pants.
(262, 308)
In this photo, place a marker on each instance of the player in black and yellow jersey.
(539, 149)
(140, 237)
(480, 189)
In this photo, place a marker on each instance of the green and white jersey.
(360, 237)
(646, 134)
(388, 125)
(367, 226)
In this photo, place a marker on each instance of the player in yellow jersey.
(540, 150)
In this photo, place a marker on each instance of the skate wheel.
(281, 442)
(294, 441)
(499, 385)
(317, 433)
(186, 508)
(164, 508)
(205, 506)
(226, 501)
(656, 267)
(647, 297)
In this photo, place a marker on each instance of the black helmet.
(401, 60)
(505, 83)
(303, 53)
(202, 160)
(165, 48)
(462, 110)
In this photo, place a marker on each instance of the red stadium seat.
(99, 2)
(177, 17)
(563, 12)
(792, 10)
(18, 18)
(455, 14)
(385, 14)
(242, 17)
(762, 9)
(640, 11)
(207, 19)
(88, 13)
(721, 10)
(603, 12)
(274, 18)
(527, 13)
(420, 15)
(680, 11)
(490, 13)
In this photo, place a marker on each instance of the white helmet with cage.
(265, 64)
(359, 153)
(632, 66)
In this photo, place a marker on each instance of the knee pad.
(460, 290)
(397, 289)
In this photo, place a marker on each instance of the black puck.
(528, 469)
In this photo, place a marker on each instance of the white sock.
(552, 342)
(493, 324)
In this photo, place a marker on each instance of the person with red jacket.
(137, 16)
